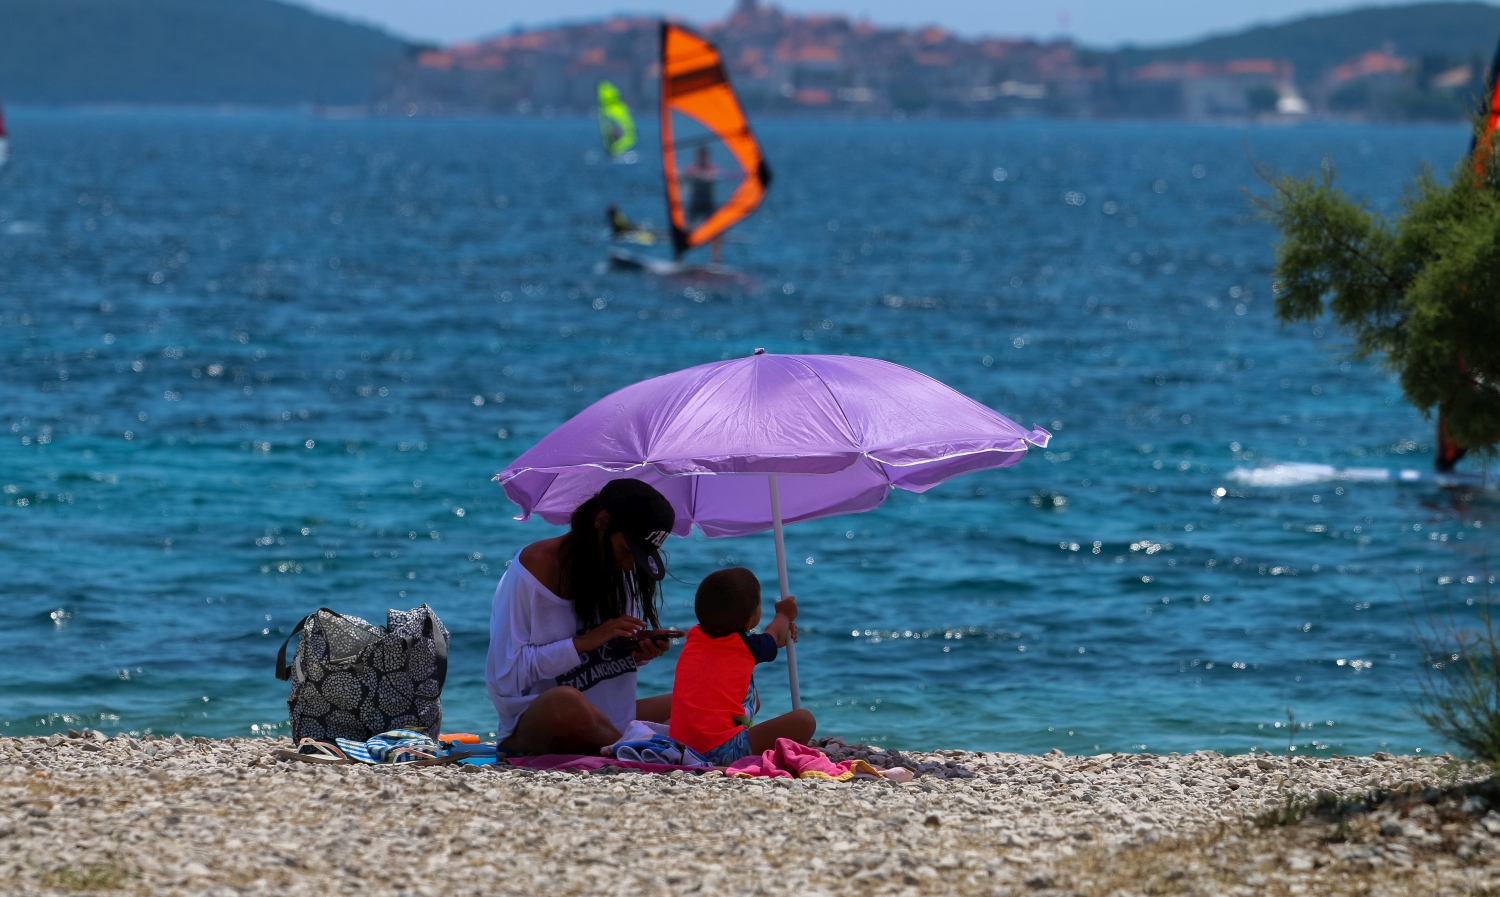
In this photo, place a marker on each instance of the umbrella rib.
(889, 483)
(842, 413)
(832, 395)
(540, 496)
(880, 465)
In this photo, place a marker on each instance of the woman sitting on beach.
(564, 644)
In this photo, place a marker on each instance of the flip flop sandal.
(311, 751)
(315, 759)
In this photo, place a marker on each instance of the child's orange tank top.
(713, 694)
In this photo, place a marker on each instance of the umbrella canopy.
(840, 431)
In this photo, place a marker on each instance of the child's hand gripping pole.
(783, 627)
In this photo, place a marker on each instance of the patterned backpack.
(353, 679)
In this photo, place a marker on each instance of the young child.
(714, 700)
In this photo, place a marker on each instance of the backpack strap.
(439, 648)
(284, 670)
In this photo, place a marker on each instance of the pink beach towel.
(790, 760)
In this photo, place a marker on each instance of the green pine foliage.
(1419, 292)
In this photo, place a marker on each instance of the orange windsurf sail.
(1480, 147)
(695, 85)
(1448, 451)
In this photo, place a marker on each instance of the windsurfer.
(694, 86)
(616, 127)
(700, 178)
(622, 228)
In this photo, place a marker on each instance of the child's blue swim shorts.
(734, 749)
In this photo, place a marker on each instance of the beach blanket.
(587, 763)
(647, 742)
(790, 760)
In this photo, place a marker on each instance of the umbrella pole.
(786, 592)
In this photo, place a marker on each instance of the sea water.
(253, 365)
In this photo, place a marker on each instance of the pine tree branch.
(1325, 224)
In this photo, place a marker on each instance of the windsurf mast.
(695, 85)
(616, 126)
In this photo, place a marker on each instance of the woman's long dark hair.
(600, 590)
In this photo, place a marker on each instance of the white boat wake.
(1299, 474)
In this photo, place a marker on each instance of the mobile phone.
(659, 635)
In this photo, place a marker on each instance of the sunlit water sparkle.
(256, 364)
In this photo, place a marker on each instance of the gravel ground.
(173, 816)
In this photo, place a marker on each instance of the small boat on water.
(695, 88)
(4, 140)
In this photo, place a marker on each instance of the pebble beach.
(174, 816)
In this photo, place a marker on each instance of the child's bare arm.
(783, 627)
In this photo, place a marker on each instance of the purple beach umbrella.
(717, 440)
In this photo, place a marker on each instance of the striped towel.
(395, 746)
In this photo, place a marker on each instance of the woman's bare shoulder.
(543, 561)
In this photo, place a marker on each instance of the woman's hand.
(619, 627)
(648, 649)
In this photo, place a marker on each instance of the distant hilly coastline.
(1422, 60)
(254, 52)
(1459, 32)
(1415, 62)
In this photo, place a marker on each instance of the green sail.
(616, 127)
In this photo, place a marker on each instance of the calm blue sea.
(251, 365)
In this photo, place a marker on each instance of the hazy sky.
(1095, 22)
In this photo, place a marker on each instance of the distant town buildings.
(834, 65)
(1197, 90)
